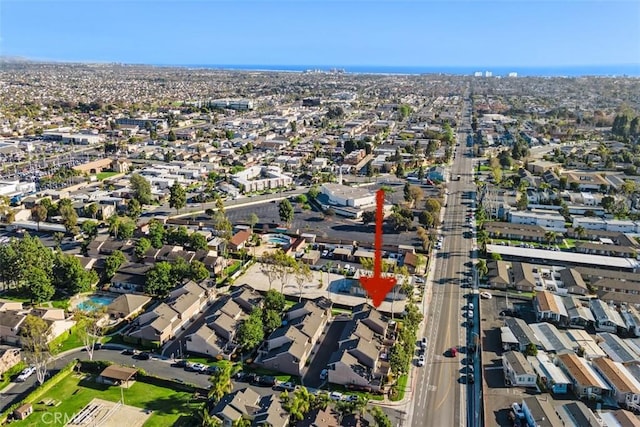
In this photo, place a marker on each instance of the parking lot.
(497, 397)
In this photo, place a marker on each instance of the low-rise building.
(586, 383)
(626, 389)
(517, 370)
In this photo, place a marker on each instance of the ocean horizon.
(630, 70)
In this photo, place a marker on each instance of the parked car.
(288, 386)
(179, 363)
(470, 306)
(323, 374)
(334, 395)
(423, 343)
(244, 377)
(485, 295)
(129, 352)
(351, 398)
(419, 280)
(517, 410)
(471, 378)
(26, 373)
(453, 352)
(264, 381)
(143, 356)
(421, 360)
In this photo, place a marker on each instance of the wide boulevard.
(439, 389)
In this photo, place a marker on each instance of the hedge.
(38, 392)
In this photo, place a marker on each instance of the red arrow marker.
(377, 286)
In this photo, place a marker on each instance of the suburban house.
(523, 279)
(130, 278)
(10, 322)
(625, 387)
(522, 333)
(239, 240)
(217, 336)
(553, 378)
(573, 282)
(607, 319)
(586, 383)
(159, 325)
(498, 274)
(549, 307)
(362, 348)
(9, 357)
(517, 370)
(580, 316)
(127, 306)
(248, 404)
(540, 412)
(288, 347)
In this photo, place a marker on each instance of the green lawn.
(74, 393)
(230, 270)
(6, 377)
(66, 341)
(104, 175)
(401, 386)
(569, 243)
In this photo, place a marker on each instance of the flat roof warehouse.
(546, 256)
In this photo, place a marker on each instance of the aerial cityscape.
(188, 242)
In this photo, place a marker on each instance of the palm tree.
(550, 236)
(482, 268)
(206, 419)
(581, 232)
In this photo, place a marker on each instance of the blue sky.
(329, 32)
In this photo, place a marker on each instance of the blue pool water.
(277, 239)
(94, 302)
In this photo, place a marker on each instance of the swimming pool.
(94, 302)
(277, 239)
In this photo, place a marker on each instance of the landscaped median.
(68, 392)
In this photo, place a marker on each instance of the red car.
(453, 351)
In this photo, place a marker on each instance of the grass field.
(74, 393)
(104, 175)
(401, 386)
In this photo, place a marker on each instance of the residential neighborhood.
(203, 233)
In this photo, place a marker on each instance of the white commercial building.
(548, 221)
(257, 178)
(343, 195)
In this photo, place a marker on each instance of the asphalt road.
(440, 387)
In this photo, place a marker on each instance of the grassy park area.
(75, 391)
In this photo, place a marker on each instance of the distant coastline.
(621, 70)
(631, 70)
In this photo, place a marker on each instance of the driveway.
(159, 367)
(327, 346)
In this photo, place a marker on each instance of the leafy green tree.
(142, 246)
(398, 359)
(40, 288)
(271, 320)
(141, 189)
(274, 300)
(198, 271)
(180, 270)
(39, 214)
(68, 274)
(368, 217)
(302, 274)
(426, 218)
(314, 192)
(157, 233)
(220, 383)
(134, 209)
(285, 210)
(251, 332)
(113, 262)
(531, 350)
(381, 419)
(253, 220)
(177, 196)
(433, 205)
(159, 280)
(34, 333)
(90, 229)
(89, 329)
(198, 242)
(69, 218)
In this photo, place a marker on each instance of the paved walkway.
(316, 287)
